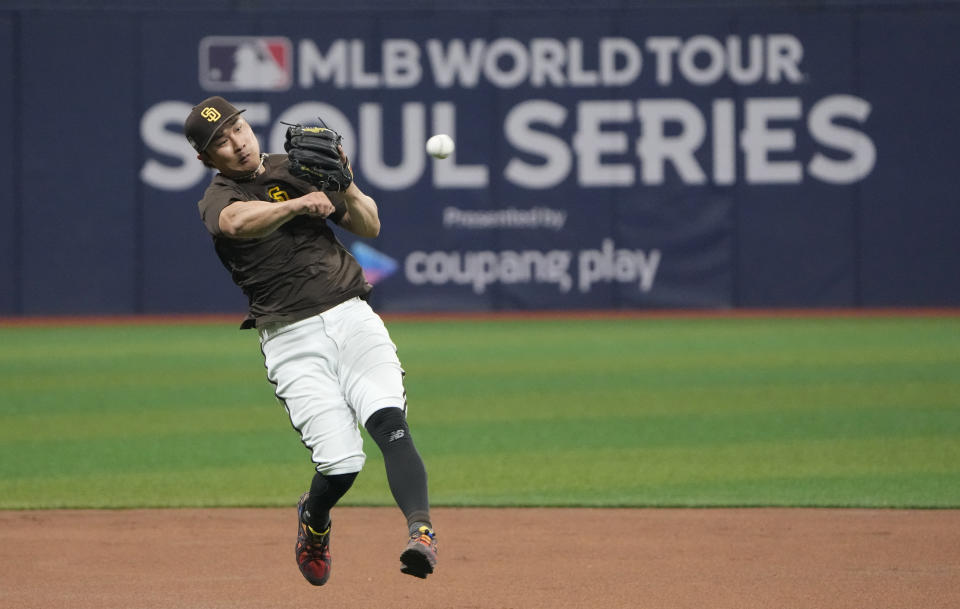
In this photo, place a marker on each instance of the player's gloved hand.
(315, 155)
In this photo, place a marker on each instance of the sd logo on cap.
(205, 120)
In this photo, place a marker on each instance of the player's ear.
(204, 158)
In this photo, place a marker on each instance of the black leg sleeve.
(406, 473)
(325, 492)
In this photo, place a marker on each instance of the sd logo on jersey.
(277, 194)
(246, 63)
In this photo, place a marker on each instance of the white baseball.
(440, 146)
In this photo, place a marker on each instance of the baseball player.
(326, 351)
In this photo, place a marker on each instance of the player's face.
(234, 150)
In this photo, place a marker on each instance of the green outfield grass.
(816, 411)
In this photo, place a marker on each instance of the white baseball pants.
(331, 372)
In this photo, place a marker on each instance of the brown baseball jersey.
(299, 270)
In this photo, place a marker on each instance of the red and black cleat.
(313, 550)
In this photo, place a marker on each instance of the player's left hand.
(315, 155)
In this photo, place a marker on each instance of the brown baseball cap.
(205, 120)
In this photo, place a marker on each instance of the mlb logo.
(246, 63)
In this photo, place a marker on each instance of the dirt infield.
(502, 558)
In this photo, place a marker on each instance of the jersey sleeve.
(214, 201)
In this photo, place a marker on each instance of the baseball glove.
(314, 155)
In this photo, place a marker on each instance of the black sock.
(325, 492)
(406, 473)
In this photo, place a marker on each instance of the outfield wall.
(611, 158)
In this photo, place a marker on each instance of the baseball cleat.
(420, 556)
(313, 549)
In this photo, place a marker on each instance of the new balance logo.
(397, 435)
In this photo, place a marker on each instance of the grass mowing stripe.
(195, 486)
(820, 411)
(125, 453)
(703, 430)
(747, 474)
(136, 423)
(692, 476)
